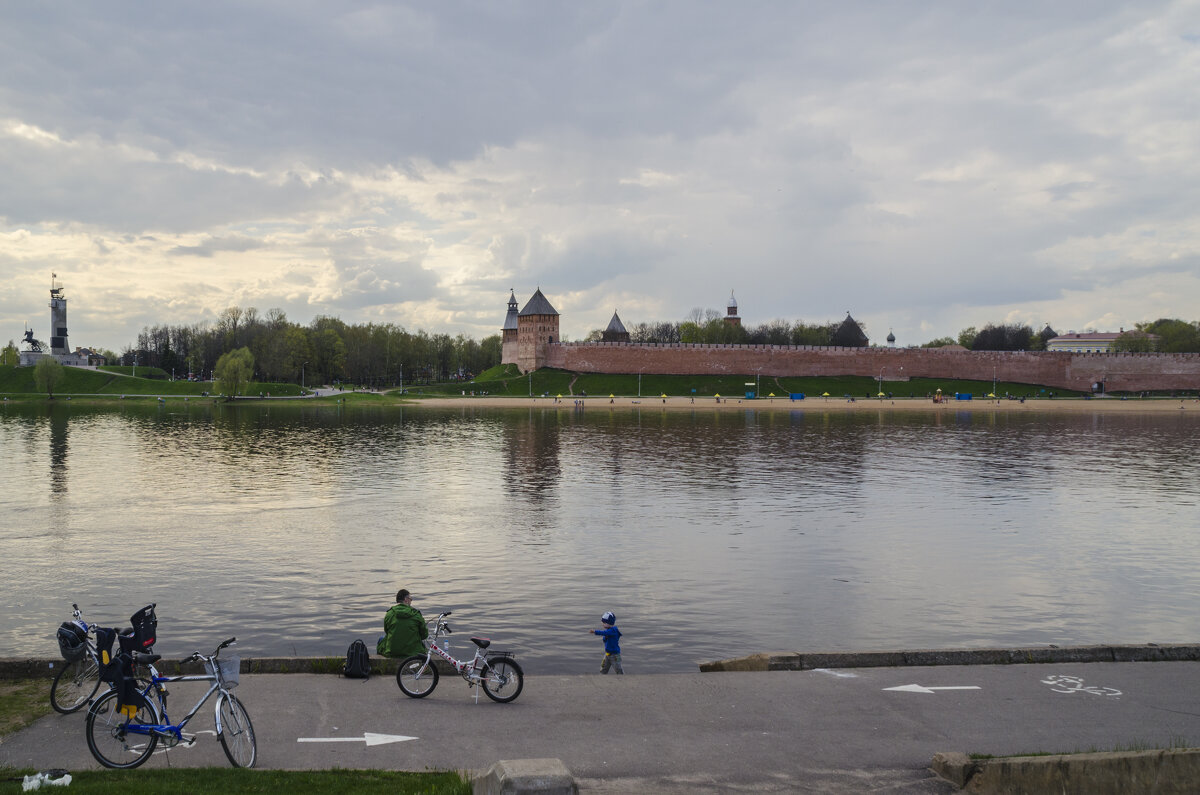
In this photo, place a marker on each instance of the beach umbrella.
(560, 395)
(718, 394)
(664, 394)
(824, 394)
(991, 394)
(879, 395)
(611, 395)
(771, 395)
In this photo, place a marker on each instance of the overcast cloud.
(925, 166)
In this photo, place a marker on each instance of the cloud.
(925, 168)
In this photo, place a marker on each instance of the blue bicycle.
(125, 725)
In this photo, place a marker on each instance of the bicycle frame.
(174, 731)
(469, 669)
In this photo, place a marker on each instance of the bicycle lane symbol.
(1074, 684)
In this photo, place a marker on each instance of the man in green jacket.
(404, 627)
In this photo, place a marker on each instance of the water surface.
(708, 534)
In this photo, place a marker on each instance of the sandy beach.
(1074, 405)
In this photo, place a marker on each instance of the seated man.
(404, 629)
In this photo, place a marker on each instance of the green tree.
(9, 355)
(234, 371)
(940, 342)
(46, 374)
(966, 337)
(1174, 336)
(1133, 342)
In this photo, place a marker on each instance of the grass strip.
(188, 781)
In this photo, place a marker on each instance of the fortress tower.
(731, 315)
(508, 342)
(537, 329)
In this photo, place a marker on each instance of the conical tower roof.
(538, 305)
(615, 325)
(510, 320)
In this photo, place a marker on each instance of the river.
(709, 534)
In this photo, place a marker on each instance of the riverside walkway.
(824, 730)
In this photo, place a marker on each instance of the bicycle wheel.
(503, 679)
(108, 737)
(75, 684)
(236, 731)
(416, 678)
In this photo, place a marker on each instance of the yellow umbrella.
(560, 395)
(718, 394)
(879, 395)
(824, 394)
(990, 394)
(664, 394)
(771, 395)
(611, 394)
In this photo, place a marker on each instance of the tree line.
(1165, 335)
(327, 350)
(709, 327)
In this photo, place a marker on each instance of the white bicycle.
(496, 672)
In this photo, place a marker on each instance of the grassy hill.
(77, 381)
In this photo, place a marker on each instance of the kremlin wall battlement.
(1118, 372)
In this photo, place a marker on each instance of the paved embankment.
(823, 730)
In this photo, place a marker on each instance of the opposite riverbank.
(574, 402)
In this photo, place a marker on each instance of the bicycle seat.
(145, 659)
(482, 643)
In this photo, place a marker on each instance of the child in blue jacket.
(612, 645)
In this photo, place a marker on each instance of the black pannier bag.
(72, 641)
(145, 628)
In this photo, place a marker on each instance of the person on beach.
(404, 629)
(612, 646)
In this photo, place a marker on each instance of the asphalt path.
(806, 731)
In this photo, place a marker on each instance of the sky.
(925, 166)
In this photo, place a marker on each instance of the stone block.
(541, 776)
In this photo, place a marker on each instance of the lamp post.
(531, 383)
(881, 369)
(640, 382)
(302, 375)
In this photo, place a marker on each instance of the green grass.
(153, 373)
(178, 781)
(22, 701)
(18, 381)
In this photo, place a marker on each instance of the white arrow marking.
(370, 738)
(923, 689)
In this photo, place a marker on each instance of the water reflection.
(801, 529)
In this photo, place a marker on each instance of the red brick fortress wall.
(1120, 372)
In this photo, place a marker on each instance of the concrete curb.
(1114, 773)
(805, 661)
(543, 776)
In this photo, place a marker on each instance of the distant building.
(615, 332)
(1086, 342)
(731, 312)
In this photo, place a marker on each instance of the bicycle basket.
(227, 670)
(72, 640)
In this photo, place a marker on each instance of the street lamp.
(881, 369)
(302, 375)
(640, 382)
(531, 383)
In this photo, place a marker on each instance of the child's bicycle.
(496, 671)
(124, 725)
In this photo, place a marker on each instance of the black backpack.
(358, 663)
